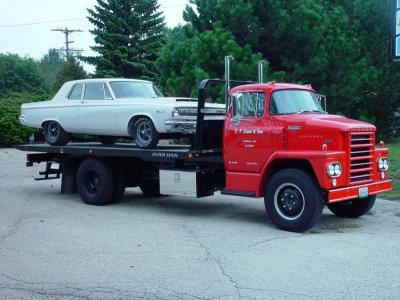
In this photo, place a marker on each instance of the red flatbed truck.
(274, 141)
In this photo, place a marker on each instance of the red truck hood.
(329, 122)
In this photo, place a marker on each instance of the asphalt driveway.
(221, 247)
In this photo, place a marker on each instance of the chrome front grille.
(361, 157)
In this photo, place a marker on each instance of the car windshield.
(295, 102)
(134, 89)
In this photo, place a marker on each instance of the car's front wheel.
(54, 134)
(144, 133)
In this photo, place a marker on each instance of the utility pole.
(67, 50)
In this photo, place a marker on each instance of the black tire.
(107, 140)
(150, 188)
(95, 181)
(144, 133)
(354, 208)
(54, 134)
(293, 200)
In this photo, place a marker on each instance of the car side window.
(94, 91)
(248, 104)
(76, 92)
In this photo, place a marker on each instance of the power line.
(67, 50)
(73, 19)
(42, 22)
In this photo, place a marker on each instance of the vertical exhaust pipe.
(260, 70)
(228, 60)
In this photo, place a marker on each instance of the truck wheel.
(95, 182)
(54, 134)
(354, 208)
(150, 188)
(145, 134)
(293, 200)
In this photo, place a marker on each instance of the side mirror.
(322, 101)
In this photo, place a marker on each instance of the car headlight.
(175, 113)
(383, 164)
(334, 169)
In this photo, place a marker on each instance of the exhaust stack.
(260, 70)
(228, 60)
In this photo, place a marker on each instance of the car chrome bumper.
(180, 126)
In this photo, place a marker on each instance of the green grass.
(394, 171)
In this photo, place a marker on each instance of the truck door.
(248, 133)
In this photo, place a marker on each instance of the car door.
(248, 134)
(97, 113)
(67, 111)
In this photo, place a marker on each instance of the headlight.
(383, 164)
(175, 113)
(334, 169)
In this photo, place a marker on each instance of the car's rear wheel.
(54, 134)
(144, 133)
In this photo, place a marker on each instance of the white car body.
(110, 116)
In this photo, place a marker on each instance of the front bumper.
(353, 192)
(181, 126)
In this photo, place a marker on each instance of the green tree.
(184, 62)
(50, 65)
(128, 36)
(71, 70)
(339, 46)
(19, 74)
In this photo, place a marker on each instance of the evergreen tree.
(184, 62)
(339, 46)
(71, 70)
(128, 36)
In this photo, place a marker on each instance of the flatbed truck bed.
(161, 154)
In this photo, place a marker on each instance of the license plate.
(363, 192)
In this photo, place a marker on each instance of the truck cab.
(279, 143)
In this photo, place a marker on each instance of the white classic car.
(110, 108)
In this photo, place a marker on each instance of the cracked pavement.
(53, 246)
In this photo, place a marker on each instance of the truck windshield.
(295, 102)
(135, 89)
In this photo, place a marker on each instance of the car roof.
(106, 80)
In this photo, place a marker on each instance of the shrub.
(11, 131)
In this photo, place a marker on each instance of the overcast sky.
(25, 25)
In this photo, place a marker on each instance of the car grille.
(361, 157)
